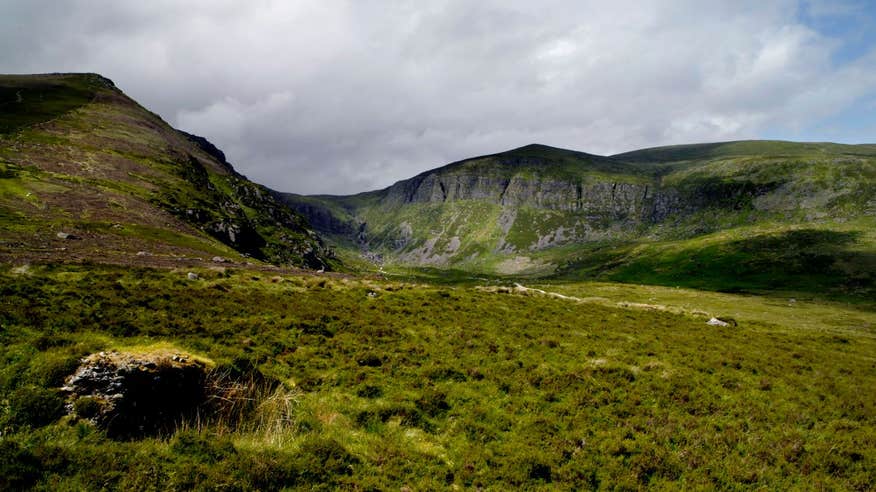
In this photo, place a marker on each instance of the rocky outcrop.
(137, 394)
(322, 218)
(536, 197)
(210, 149)
(614, 200)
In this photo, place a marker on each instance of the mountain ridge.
(539, 210)
(81, 159)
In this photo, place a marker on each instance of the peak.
(59, 77)
(548, 152)
(538, 148)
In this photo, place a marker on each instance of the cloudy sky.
(325, 96)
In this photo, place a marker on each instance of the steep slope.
(425, 219)
(79, 159)
(741, 208)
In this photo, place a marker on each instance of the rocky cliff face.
(536, 198)
(617, 200)
(321, 217)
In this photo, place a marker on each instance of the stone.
(219, 259)
(67, 235)
(717, 322)
(192, 276)
(137, 394)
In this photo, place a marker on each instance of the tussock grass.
(363, 383)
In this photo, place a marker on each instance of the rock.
(67, 235)
(137, 394)
(717, 322)
(142, 253)
(192, 276)
(219, 259)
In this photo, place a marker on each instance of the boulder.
(192, 276)
(137, 394)
(66, 235)
(719, 321)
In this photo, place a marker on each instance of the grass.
(425, 378)
(387, 384)
(28, 100)
(794, 311)
(677, 153)
(75, 152)
(828, 259)
(752, 216)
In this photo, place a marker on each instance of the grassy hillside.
(388, 385)
(436, 371)
(82, 161)
(705, 151)
(751, 215)
(543, 160)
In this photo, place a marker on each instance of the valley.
(689, 317)
(388, 384)
(737, 215)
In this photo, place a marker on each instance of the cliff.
(526, 207)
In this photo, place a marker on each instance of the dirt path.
(520, 289)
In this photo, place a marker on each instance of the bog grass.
(381, 384)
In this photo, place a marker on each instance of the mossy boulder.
(136, 394)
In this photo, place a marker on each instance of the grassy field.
(382, 384)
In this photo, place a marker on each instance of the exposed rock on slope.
(500, 211)
(76, 153)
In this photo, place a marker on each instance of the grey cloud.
(338, 97)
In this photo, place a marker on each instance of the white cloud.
(342, 96)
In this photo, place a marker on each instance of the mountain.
(723, 216)
(87, 174)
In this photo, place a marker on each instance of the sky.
(332, 96)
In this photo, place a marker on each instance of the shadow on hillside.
(819, 262)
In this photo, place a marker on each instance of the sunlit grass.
(372, 383)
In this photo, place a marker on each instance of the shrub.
(369, 360)
(52, 369)
(323, 460)
(369, 391)
(35, 407)
(433, 403)
(19, 468)
(207, 449)
(87, 407)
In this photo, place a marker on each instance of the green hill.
(119, 370)
(751, 215)
(87, 174)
